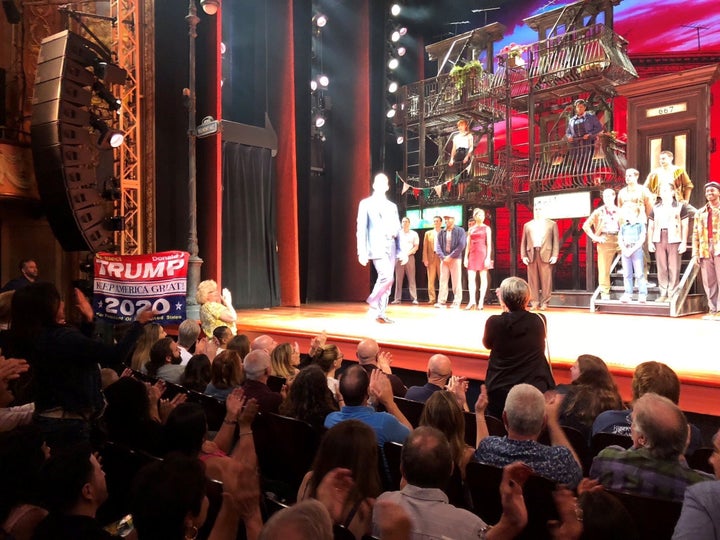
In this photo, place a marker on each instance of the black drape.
(250, 262)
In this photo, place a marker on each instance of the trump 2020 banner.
(127, 284)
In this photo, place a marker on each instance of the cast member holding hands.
(478, 258)
(539, 248)
(602, 228)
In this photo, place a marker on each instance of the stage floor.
(623, 341)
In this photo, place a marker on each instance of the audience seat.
(214, 408)
(285, 448)
(655, 518)
(495, 427)
(392, 451)
(411, 409)
(699, 460)
(603, 440)
(213, 491)
(483, 481)
(120, 465)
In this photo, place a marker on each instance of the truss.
(126, 46)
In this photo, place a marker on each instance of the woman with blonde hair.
(215, 310)
(152, 333)
(285, 358)
(478, 258)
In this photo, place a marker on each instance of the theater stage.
(689, 345)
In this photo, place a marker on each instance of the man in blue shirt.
(355, 388)
(450, 247)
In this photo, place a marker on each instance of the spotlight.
(401, 51)
(320, 20)
(210, 7)
(319, 121)
(402, 30)
(395, 36)
(400, 139)
(324, 80)
(391, 111)
(103, 93)
(109, 138)
(111, 189)
(395, 10)
(313, 85)
(393, 63)
(392, 87)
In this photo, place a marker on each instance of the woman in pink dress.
(478, 258)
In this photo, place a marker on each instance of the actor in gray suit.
(378, 225)
(539, 250)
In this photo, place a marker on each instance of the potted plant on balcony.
(512, 55)
(460, 74)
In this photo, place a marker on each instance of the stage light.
(392, 87)
(115, 223)
(395, 36)
(109, 138)
(319, 121)
(313, 85)
(320, 20)
(210, 7)
(103, 93)
(391, 111)
(393, 63)
(401, 51)
(324, 80)
(111, 189)
(395, 10)
(400, 139)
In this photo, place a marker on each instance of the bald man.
(263, 343)
(439, 369)
(370, 358)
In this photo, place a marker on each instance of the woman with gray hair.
(516, 340)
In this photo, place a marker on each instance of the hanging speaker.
(66, 159)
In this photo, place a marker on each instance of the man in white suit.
(378, 225)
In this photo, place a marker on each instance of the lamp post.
(192, 308)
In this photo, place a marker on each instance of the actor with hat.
(706, 247)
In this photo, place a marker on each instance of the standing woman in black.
(516, 340)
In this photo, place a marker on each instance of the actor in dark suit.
(539, 250)
(378, 225)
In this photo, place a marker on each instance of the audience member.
(197, 373)
(355, 388)
(439, 370)
(28, 276)
(226, 374)
(309, 399)
(5, 306)
(700, 516)
(603, 516)
(241, 344)
(516, 340)
(370, 358)
(648, 377)
(653, 466)
(329, 358)
(151, 334)
(426, 464)
(215, 310)
(306, 520)
(222, 336)
(169, 502)
(188, 335)
(73, 487)
(186, 432)
(285, 359)
(351, 445)
(164, 361)
(258, 368)
(131, 418)
(526, 414)
(22, 455)
(12, 417)
(263, 343)
(591, 392)
(66, 378)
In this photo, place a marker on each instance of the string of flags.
(416, 191)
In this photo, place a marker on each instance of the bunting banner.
(127, 284)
